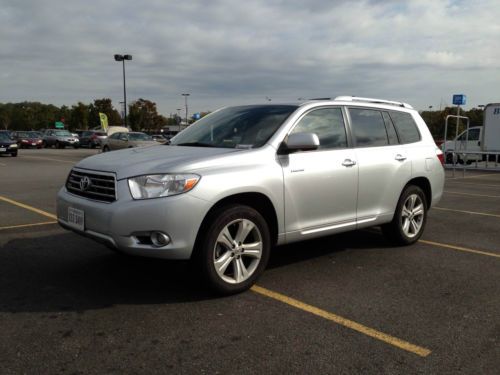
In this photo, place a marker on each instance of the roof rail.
(372, 100)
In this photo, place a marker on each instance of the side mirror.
(300, 142)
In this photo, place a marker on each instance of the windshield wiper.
(194, 144)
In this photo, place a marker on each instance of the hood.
(155, 159)
(7, 142)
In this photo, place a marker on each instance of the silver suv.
(244, 179)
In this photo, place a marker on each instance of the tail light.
(440, 156)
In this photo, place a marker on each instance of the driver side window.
(328, 124)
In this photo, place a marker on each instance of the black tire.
(45, 145)
(105, 149)
(76, 146)
(449, 158)
(14, 154)
(395, 231)
(209, 250)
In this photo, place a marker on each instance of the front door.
(320, 186)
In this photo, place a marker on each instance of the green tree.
(79, 117)
(103, 106)
(143, 115)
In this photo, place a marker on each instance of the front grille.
(100, 186)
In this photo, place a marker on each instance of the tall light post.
(186, 104)
(430, 115)
(122, 58)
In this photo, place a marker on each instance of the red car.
(28, 139)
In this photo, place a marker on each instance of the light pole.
(430, 116)
(122, 58)
(186, 104)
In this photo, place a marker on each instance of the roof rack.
(372, 100)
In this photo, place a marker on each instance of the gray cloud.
(225, 52)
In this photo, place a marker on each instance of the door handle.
(400, 157)
(348, 163)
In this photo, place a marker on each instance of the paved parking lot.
(349, 303)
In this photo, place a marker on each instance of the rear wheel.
(409, 219)
(234, 249)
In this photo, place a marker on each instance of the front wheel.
(234, 249)
(409, 219)
(105, 149)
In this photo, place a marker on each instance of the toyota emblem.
(85, 183)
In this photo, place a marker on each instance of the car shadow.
(66, 272)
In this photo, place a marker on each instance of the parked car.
(59, 139)
(7, 144)
(28, 139)
(119, 140)
(159, 138)
(244, 179)
(92, 138)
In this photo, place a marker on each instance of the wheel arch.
(424, 184)
(258, 201)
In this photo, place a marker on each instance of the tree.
(103, 106)
(144, 116)
(79, 118)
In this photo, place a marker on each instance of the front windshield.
(63, 133)
(4, 137)
(139, 137)
(236, 127)
(34, 135)
(23, 135)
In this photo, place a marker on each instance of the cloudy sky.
(227, 52)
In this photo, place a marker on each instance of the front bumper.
(120, 224)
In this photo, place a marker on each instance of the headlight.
(13, 145)
(161, 185)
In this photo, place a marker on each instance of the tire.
(409, 219)
(223, 256)
(105, 149)
(449, 158)
(45, 145)
(14, 154)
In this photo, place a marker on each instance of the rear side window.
(391, 132)
(327, 124)
(368, 127)
(405, 126)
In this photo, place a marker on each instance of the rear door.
(320, 186)
(384, 167)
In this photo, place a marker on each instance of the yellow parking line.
(472, 194)
(28, 225)
(51, 159)
(465, 212)
(391, 340)
(30, 208)
(459, 248)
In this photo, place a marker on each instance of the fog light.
(159, 239)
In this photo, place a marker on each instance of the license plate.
(76, 218)
(2, 149)
(33, 144)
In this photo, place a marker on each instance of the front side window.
(327, 124)
(405, 126)
(139, 137)
(368, 127)
(473, 135)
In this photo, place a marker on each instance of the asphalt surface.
(69, 305)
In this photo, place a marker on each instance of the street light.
(122, 58)
(186, 104)
(430, 115)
